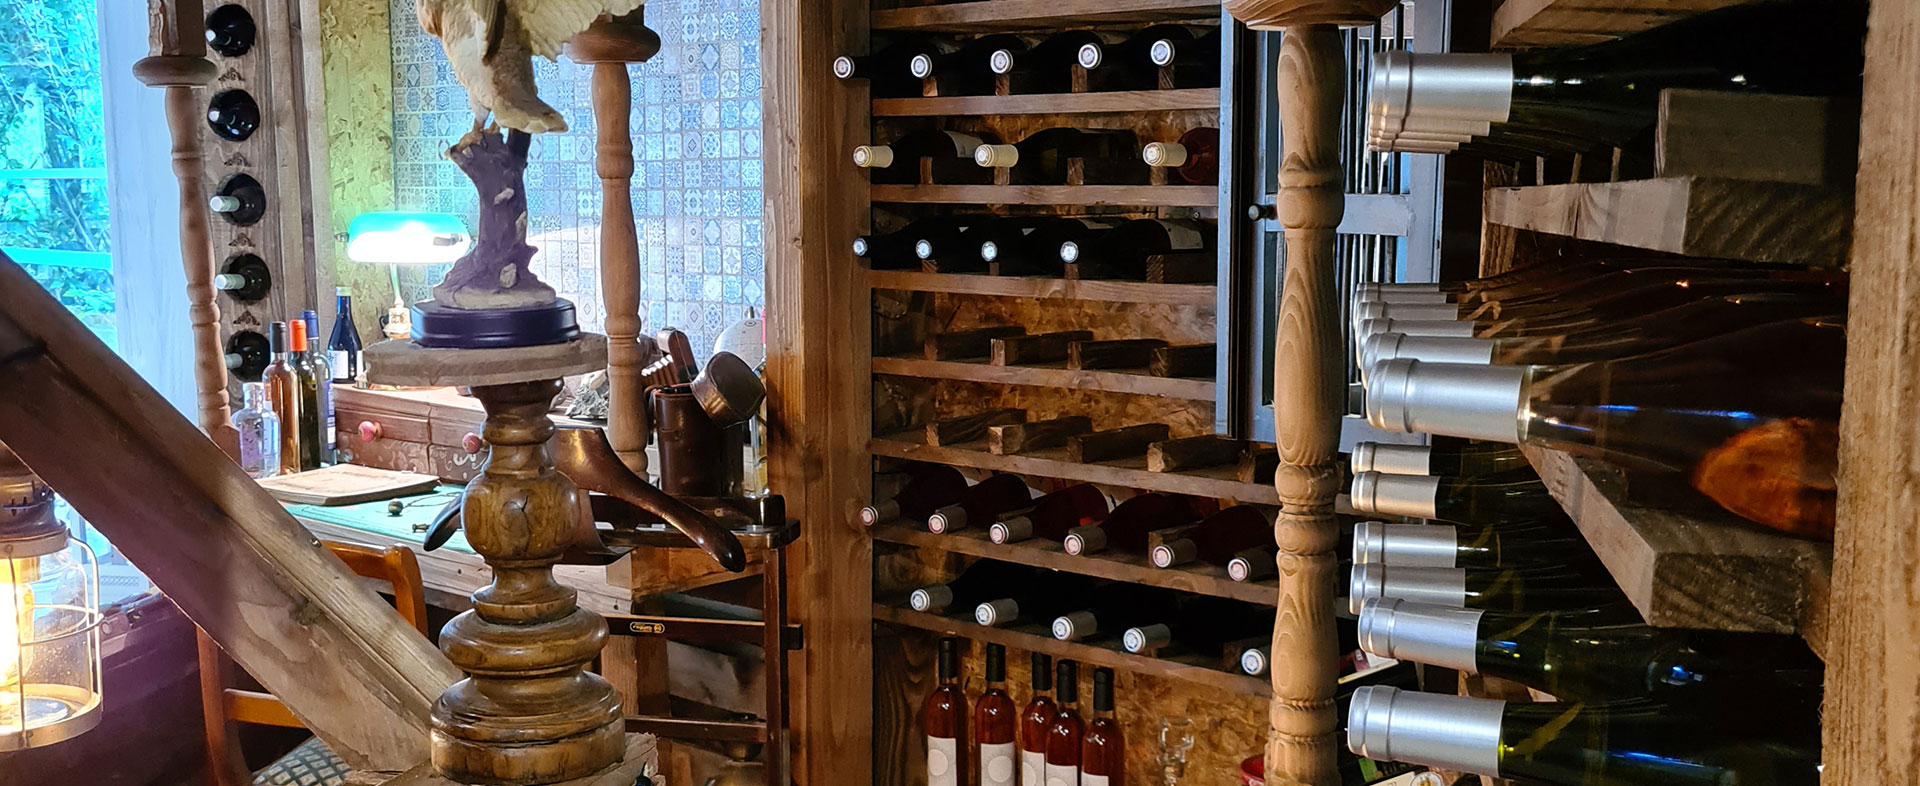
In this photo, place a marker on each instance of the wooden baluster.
(178, 63)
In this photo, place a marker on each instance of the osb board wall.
(356, 62)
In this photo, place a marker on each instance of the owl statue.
(491, 43)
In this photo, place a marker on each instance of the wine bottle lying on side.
(1511, 497)
(1550, 542)
(1544, 588)
(1445, 456)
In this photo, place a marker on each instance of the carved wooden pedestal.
(528, 711)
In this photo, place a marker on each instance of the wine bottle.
(1034, 249)
(233, 115)
(1194, 158)
(1514, 496)
(1044, 156)
(1102, 749)
(950, 154)
(1583, 656)
(343, 347)
(240, 200)
(1200, 624)
(944, 719)
(1479, 548)
(1064, 734)
(1046, 65)
(894, 250)
(961, 253)
(1254, 661)
(309, 420)
(1238, 531)
(967, 68)
(245, 277)
(1542, 588)
(1456, 457)
(1750, 419)
(248, 354)
(1035, 720)
(283, 390)
(981, 504)
(1529, 278)
(1039, 599)
(930, 488)
(995, 723)
(1125, 529)
(322, 373)
(1125, 62)
(1122, 252)
(1051, 516)
(888, 70)
(1114, 608)
(1254, 564)
(1640, 743)
(230, 30)
(259, 431)
(1195, 62)
(981, 581)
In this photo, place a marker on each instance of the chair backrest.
(224, 706)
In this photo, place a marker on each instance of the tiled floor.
(697, 174)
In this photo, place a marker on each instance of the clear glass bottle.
(259, 433)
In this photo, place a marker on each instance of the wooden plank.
(1200, 98)
(1519, 24)
(1756, 222)
(1201, 452)
(1120, 353)
(1051, 375)
(284, 608)
(1126, 196)
(1052, 463)
(1029, 350)
(976, 343)
(1017, 437)
(1119, 443)
(1197, 577)
(1755, 136)
(641, 756)
(1199, 267)
(1257, 465)
(982, 15)
(1872, 708)
(1046, 288)
(1186, 360)
(1714, 572)
(969, 428)
(1195, 669)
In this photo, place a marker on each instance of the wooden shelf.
(1048, 376)
(1050, 103)
(1128, 196)
(1046, 288)
(1519, 24)
(1713, 571)
(1103, 652)
(1052, 463)
(991, 15)
(1732, 219)
(1200, 578)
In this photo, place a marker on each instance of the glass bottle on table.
(308, 386)
(322, 370)
(1035, 720)
(1066, 733)
(943, 718)
(995, 724)
(344, 347)
(283, 392)
(259, 431)
(1102, 750)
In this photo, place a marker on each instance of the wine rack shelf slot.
(1126, 196)
(1712, 570)
(1053, 375)
(1519, 24)
(1202, 98)
(1732, 219)
(1046, 288)
(1033, 638)
(992, 15)
(1051, 463)
(1204, 579)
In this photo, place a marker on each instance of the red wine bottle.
(894, 250)
(967, 68)
(996, 720)
(1194, 158)
(1046, 65)
(981, 581)
(950, 153)
(1200, 624)
(960, 253)
(1122, 252)
(888, 70)
(1195, 61)
(233, 115)
(245, 277)
(1042, 158)
(230, 30)
(1035, 249)
(981, 504)
(1035, 720)
(1065, 734)
(930, 488)
(1219, 537)
(1102, 756)
(1037, 600)
(1114, 608)
(1125, 529)
(944, 719)
(240, 200)
(1051, 516)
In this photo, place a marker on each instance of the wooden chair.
(310, 764)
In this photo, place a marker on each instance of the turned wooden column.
(178, 63)
(610, 44)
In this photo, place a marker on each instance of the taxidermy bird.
(491, 43)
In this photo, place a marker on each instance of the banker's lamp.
(403, 237)
(49, 618)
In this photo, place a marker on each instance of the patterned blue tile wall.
(697, 163)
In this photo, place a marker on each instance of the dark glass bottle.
(996, 722)
(1511, 497)
(1051, 516)
(1043, 596)
(950, 154)
(240, 200)
(1122, 252)
(1065, 734)
(1750, 419)
(944, 720)
(1541, 279)
(1195, 62)
(1034, 249)
(312, 447)
(929, 488)
(1035, 719)
(1125, 529)
(283, 390)
(248, 354)
(1201, 624)
(233, 115)
(960, 252)
(982, 504)
(1526, 588)
(966, 68)
(1446, 456)
(245, 277)
(230, 30)
(980, 582)
(1254, 564)
(322, 373)
(1459, 546)
(1103, 758)
(894, 250)
(1106, 156)
(1112, 609)
(1046, 65)
(1194, 158)
(1238, 531)
(343, 347)
(888, 70)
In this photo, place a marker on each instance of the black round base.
(438, 325)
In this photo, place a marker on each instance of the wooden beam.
(1697, 216)
(208, 536)
(1016, 437)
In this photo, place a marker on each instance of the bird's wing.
(547, 24)
(463, 29)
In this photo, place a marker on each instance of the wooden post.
(178, 63)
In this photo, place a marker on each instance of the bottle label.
(326, 409)
(1093, 780)
(943, 761)
(1063, 775)
(996, 764)
(1033, 768)
(341, 361)
(1182, 237)
(253, 449)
